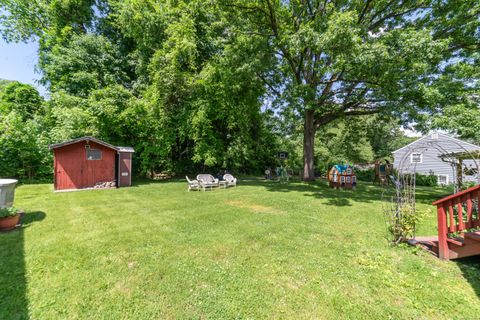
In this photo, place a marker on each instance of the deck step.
(457, 242)
(472, 235)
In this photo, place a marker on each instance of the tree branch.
(269, 85)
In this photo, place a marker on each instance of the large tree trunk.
(308, 146)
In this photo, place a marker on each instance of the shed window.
(94, 154)
(416, 158)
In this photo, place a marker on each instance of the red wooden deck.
(458, 218)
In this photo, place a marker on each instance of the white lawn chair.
(231, 180)
(192, 184)
(207, 181)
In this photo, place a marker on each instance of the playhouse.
(342, 176)
(88, 162)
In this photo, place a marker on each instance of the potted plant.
(9, 218)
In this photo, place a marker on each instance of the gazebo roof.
(464, 155)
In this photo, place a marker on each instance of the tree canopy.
(334, 59)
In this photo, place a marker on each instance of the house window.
(94, 154)
(349, 171)
(442, 179)
(416, 158)
(348, 179)
(342, 179)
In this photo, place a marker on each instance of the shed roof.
(88, 138)
(125, 149)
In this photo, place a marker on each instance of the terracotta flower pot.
(9, 223)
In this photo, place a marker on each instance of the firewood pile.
(104, 185)
(160, 176)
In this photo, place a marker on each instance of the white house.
(427, 156)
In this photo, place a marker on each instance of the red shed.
(88, 162)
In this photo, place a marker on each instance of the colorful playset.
(342, 176)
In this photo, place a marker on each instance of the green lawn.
(261, 250)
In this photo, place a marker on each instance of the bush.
(365, 175)
(430, 180)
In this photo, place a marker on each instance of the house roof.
(88, 138)
(438, 135)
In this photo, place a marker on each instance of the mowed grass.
(261, 250)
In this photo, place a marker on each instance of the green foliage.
(84, 63)
(22, 98)
(23, 143)
(8, 212)
(429, 180)
(23, 147)
(359, 140)
(3, 83)
(402, 222)
(365, 175)
(348, 58)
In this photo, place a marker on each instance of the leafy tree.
(22, 20)
(362, 139)
(462, 119)
(23, 147)
(85, 63)
(68, 117)
(200, 95)
(349, 58)
(3, 83)
(22, 98)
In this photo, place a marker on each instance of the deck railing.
(455, 214)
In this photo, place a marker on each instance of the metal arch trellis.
(399, 197)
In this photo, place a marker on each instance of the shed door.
(68, 173)
(125, 169)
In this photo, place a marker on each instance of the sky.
(17, 62)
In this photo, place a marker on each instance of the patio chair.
(231, 180)
(192, 184)
(207, 181)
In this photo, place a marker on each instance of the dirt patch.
(257, 208)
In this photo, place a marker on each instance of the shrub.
(365, 175)
(430, 180)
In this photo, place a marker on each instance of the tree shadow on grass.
(13, 282)
(365, 192)
(470, 268)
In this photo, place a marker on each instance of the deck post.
(443, 251)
